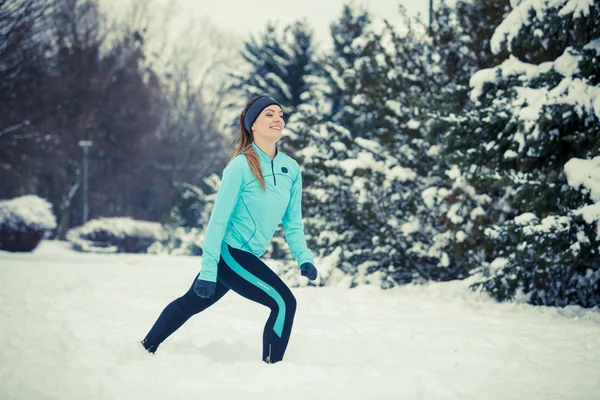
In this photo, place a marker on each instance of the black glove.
(204, 288)
(309, 271)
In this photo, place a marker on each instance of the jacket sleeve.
(225, 201)
(293, 227)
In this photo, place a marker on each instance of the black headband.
(256, 108)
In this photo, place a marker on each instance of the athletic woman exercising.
(260, 187)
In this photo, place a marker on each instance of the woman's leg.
(177, 312)
(247, 275)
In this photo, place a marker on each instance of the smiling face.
(269, 124)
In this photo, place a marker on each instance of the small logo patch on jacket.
(284, 169)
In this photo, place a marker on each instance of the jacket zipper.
(272, 170)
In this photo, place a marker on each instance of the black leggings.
(248, 276)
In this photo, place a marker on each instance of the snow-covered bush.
(115, 235)
(24, 221)
(180, 241)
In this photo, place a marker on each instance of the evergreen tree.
(277, 64)
(460, 40)
(367, 161)
(533, 119)
(460, 37)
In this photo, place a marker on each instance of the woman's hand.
(204, 289)
(308, 270)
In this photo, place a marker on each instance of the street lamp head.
(85, 143)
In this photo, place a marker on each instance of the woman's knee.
(286, 303)
(290, 303)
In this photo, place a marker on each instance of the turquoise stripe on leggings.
(268, 289)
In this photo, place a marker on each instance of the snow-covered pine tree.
(453, 206)
(276, 64)
(529, 144)
(460, 36)
(366, 159)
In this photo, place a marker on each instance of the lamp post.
(85, 146)
(430, 15)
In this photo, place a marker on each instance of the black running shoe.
(150, 347)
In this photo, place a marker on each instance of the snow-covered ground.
(71, 325)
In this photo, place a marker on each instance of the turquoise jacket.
(246, 217)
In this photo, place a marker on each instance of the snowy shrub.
(115, 235)
(24, 221)
(179, 241)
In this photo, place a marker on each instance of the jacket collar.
(264, 156)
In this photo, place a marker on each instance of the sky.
(242, 17)
(179, 28)
(246, 16)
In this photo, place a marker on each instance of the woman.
(260, 188)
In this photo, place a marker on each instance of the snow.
(525, 218)
(119, 227)
(365, 160)
(309, 152)
(368, 144)
(434, 150)
(402, 174)
(584, 173)
(183, 242)
(395, 106)
(478, 211)
(338, 146)
(590, 213)
(509, 154)
(498, 264)
(529, 102)
(72, 324)
(567, 64)
(413, 124)
(593, 45)
(520, 17)
(429, 196)
(549, 224)
(333, 74)
(29, 210)
(410, 227)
